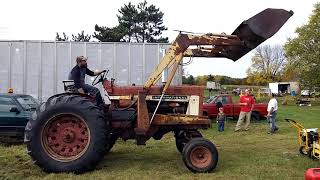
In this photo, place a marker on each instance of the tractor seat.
(68, 86)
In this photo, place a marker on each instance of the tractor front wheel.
(303, 151)
(311, 155)
(111, 141)
(200, 155)
(184, 136)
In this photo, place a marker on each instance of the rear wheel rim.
(201, 157)
(65, 137)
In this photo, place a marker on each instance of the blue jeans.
(93, 91)
(272, 121)
(221, 126)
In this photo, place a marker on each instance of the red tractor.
(70, 133)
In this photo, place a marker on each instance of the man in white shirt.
(272, 113)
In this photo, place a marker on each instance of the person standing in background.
(221, 118)
(247, 104)
(272, 113)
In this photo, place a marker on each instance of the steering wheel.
(99, 78)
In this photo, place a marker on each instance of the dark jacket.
(221, 117)
(78, 74)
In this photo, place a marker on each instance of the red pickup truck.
(231, 109)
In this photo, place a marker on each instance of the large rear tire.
(68, 133)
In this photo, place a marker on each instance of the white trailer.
(274, 88)
(213, 85)
(284, 87)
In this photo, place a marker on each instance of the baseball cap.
(81, 58)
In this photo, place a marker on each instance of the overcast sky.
(41, 19)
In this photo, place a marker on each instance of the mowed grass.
(243, 155)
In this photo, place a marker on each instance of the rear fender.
(91, 98)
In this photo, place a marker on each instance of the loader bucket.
(257, 29)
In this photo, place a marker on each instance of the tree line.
(136, 23)
(202, 80)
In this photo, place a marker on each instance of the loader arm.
(181, 47)
(248, 35)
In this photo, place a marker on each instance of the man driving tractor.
(78, 74)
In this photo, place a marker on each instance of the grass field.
(243, 155)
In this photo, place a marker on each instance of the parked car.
(308, 93)
(231, 109)
(236, 91)
(15, 110)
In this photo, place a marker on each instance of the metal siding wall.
(48, 69)
(107, 56)
(136, 66)
(17, 58)
(4, 67)
(151, 61)
(38, 68)
(77, 50)
(92, 53)
(32, 70)
(122, 64)
(63, 64)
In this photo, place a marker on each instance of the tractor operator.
(78, 74)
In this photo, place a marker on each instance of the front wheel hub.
(201, 157)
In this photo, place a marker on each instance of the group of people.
(247, 104)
